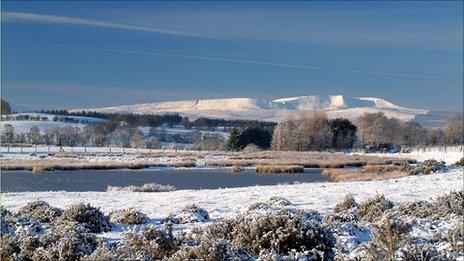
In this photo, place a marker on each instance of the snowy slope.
(248, 108)
(23, 126)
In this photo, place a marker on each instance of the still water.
(98, 180)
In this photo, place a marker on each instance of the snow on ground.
(51, 116)
(231, 201)
(23, 126)
(44, 126)
(450, 155)
(248, 108)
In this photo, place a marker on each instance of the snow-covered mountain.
(248, 108)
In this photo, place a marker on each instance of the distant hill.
(435, 119)
(248, 108)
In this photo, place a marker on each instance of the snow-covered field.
(320, 197)
(228, 202)
(23, 126)
(449, 155)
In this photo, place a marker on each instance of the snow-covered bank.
(450, 155)
(221, 203)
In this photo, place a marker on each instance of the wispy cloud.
(244, 61)
(40, 18)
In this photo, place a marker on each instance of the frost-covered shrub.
(104, 252)
(208, 250)
(189, 214)
(270, 255)
(151, 244)
(9, 247)
(389, 238)
(147, 187)
(421, 253)
(7, 221)
(90, 217)
(347, 203)
(420, 209)
(258, 206)
(428, 167)
(459, 163)
(283, 231)
(27, 225)
(455, 236)
(68, 240)
(41, 210)
(28, 246)
(452, 203)
(373, 208)
(128, 216)
(336, 219)
(279, 201)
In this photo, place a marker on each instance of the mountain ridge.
(271, 110)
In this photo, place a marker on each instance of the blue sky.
(92, 54)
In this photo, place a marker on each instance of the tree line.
(375, 131)
(312, 132)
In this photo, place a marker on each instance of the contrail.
(40, 18)
(229, 60)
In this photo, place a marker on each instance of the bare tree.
(305, 133)
(137, 140)
(8, 133)
(33, 136)
(454, 130)
(376, 128)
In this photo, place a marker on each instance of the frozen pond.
(98, 180)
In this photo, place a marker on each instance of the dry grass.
(184, 164)
(74, 164)
(380, 168)
(237, 169)
(75, 161)
(265, 169)
(341, 175)
(305, 159)
(37, 170)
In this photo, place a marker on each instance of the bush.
(421, 253)
(147, 187)
(28, 245)
(237, 169)
(189, 214)
(41, 211)
(372, 209)
(9, 246)
(389, 238)
(103, 252)
(455, 236)
(452, 203)
(419, 209)
(91, 218)
(460, 163)
(279, 201)
(128, 216)
(209, 250)
(151, 244)
(283, 231)
(239, 138)
(428, 167)
(67, 241)
(348, 203)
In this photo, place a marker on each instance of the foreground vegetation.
(376, 229)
